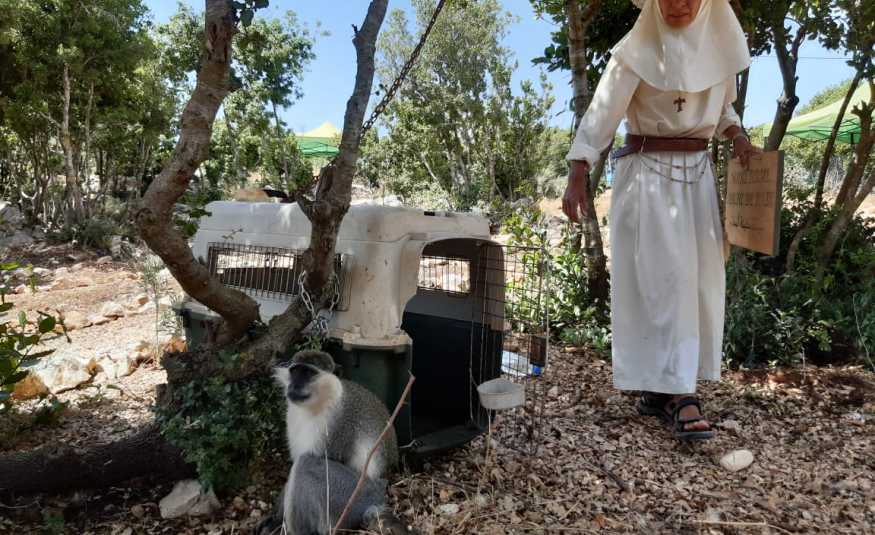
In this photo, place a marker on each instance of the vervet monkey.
(331, 426)
(325, 413)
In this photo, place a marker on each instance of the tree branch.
(155, 213)
(364, 474)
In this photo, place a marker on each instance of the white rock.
(448, 509)
(104, 260)
(42, 272)
(77, 266)
(97, 319)
(553, 392)
(60, 373)
(731, 425)
(141, 299)
(75, 320)
(10, 216)
(165, 303)
(188, 498)
(115, 366)
(737, 460)
(148, 307)
(112, 310)
(62, 271)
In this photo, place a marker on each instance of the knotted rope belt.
(635, 144)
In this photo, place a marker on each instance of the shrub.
(777, 317)
(222, 427)
(18, 339)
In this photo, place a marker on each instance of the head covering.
(705, 53)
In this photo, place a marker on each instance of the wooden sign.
(753, 202)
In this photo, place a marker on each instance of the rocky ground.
(595, 467)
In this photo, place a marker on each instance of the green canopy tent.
(317, 147)
(816, 125)
(320, 142)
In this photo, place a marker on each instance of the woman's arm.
(741, 145)
(595, 132)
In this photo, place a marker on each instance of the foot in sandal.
(682, 413)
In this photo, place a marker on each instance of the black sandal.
(678, 424)
(654, 404)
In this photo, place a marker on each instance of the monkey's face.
(302, 383)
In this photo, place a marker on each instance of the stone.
(120, 249)
(32, 386)
(114, 366)
(42, 272)
(239, 503)
(103, 260)
(138, 511)
(165, 303)
(78, 266)
(737, 460)
(553, 392)
(18, 239)
(62, 271)
(74, 319)
(10, 217)
(730, 425)
(188, 498)
(60, 373)
(97, 319)
(448, 509)
(141, 299)
(145, 309)
(112, 310)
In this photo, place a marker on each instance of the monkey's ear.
(282, 376)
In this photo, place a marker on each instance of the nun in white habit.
(673, 78)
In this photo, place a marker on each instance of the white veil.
(692, 59)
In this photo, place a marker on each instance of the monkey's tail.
(380, 519)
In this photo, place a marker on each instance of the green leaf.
(8, 266)
(47, 324)
(22, 318)
(40, 355)
(260, 4)
(14, 378)
(246, 17)
(6, 307)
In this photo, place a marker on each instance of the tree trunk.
(154, 217)
(74, 213)
(56, 468)
(787, 60)
(829, 150)
(855, 195)
(147, 453)
(594, 254)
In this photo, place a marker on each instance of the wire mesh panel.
(513, 286)
(265, 272)
(446, 274)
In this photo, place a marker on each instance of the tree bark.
(856, 193)
(53, 470)
(787, 61)
(597, 274)
(154, 217)
(74, 212)
(56, 468)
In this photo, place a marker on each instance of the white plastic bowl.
(500, 394)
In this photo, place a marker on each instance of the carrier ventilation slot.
(267, 272)
(446, 274)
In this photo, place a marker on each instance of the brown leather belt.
(636, 143)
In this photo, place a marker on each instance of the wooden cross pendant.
(680, 103)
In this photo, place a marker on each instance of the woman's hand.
(576, 195)
(741, 146)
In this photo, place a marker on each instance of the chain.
(321, 318)
(381, 106)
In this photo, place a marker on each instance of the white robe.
(667, 270)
